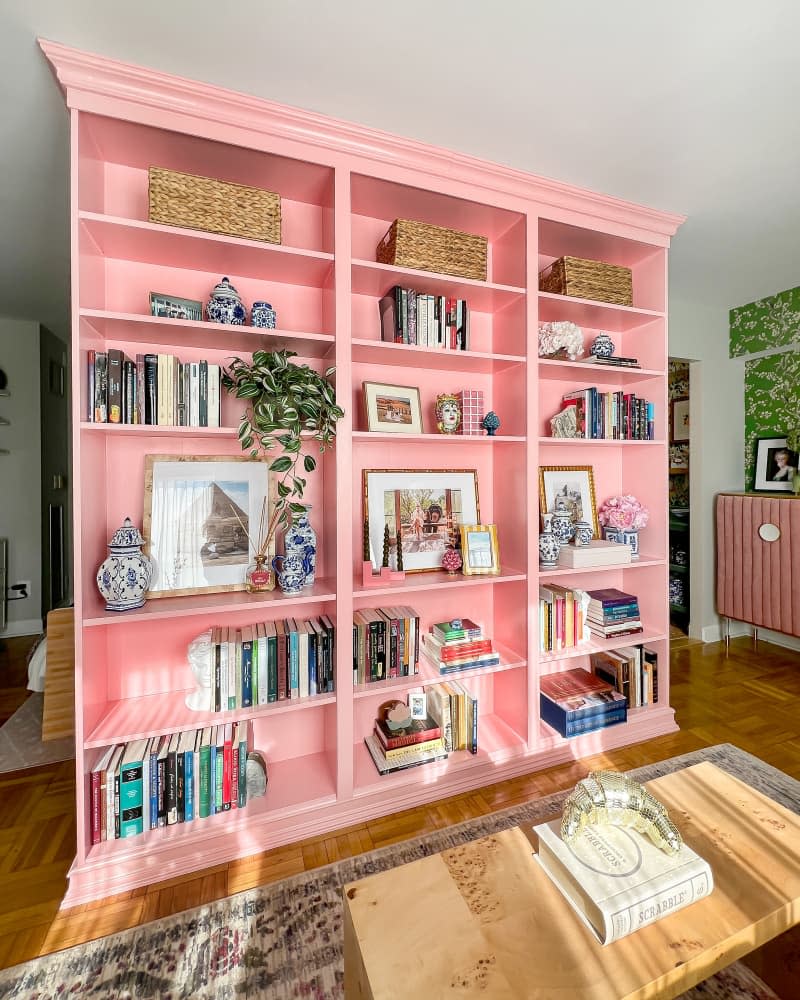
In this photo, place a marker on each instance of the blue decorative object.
(263, 315)
(602, 346)
(301, 540)
(676, 592)
(124, 577)
(623, 537)
(292, 575)
(490, 423)
(561, 521)
(583, 533)
(225, 305)
(549, 545)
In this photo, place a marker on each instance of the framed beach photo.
(776, 465)
(570, 485)
(172, 307)
(428, 506)
(679, 418)
(393, 409)
(479, 550)
(202, 516)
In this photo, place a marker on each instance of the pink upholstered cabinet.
(341, 187)
(757, 580)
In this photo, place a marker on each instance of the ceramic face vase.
(301, 540)
(448, 413)
(124, 577)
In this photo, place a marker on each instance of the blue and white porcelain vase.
(583, 533)
(301, 539)
(263, 315)
(602, 346)
(549, 546)
(225, 305)
(124, 577)
(623, 536)
(562, 525)
(291, 574)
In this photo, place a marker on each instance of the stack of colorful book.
(458, 645)
(612, 612)
(411, 317)
(575, 702)
(399, 741)
(561, 623)
(385, 643)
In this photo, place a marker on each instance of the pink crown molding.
(84, 75)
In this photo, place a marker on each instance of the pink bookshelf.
(341, 186)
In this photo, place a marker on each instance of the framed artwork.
(775, 465)
(427, 505)
(678, 458)
(679, 419)
(171, 307)
(395, 409)
(479, 550)
(572, 485)
(201, 514)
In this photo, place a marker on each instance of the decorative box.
(588, 279)
(433, 248)
(471, 411)
(214, 206)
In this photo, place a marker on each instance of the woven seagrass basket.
(432, 248)
(214, 206)
(588, 279)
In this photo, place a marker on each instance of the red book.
(570, 688)
(458, 650)
(227, 766)
(235, 776)
(417, 731)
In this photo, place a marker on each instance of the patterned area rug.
(284, 941)
(21, 743)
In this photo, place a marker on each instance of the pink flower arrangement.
(624, 512)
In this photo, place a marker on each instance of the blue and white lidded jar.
(562, 525)
(583, 533)
(602, 346)
(549, 545)
(225, 305)
(263, 315)
(124, 577)
(301, 539)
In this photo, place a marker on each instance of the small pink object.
(451, 561)
(472, 411)
(623, 512)
(381, 577)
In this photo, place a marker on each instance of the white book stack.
(597, 553)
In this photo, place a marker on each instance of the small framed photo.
(570, 486)
(393, 409)
(678, 458)
(775, 465)
(679, 419)
(418, 703)
(171, 307)
(479, 549)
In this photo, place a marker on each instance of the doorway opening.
(679, 507)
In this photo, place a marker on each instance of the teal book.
(212, 785)
(220, 769)
(294, 658)
(243, 731)
(186, 749)
(254, 637)
(205, 774)
(131, 789)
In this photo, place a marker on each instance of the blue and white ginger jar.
(124, 577)
(292, 574)
(263, 315)
(301, 540)
(562, 525)
(549, 545)
(225, 305)
(602, 346)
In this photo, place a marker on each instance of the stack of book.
(271, 661)
(385, 643)
(410, 317)
(575, 702)
(632, 670)
(456, 710)
(616, 360)
(397, 744)
(561, 618)
(458, 645)
(612, 612)
(154, 389)
(168, 779)
(618, 416)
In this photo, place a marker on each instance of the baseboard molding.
(716, 633)
(28, 626)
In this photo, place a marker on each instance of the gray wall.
(20, 500)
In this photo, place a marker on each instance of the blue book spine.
(592, 724)
(651, 421)
(247, 674)
(153, 790)
(312, 663)
(560, 720)
(189, 785)
(294, 664)
(212, 801)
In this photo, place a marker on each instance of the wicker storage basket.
(588, 279)
(215, 206)
(432, 248)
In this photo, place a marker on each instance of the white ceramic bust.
(199, 655)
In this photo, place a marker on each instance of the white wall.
(20, 492)
(699, 332)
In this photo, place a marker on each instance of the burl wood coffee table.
(484, 920)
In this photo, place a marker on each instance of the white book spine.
(194, 395)
(262, 671)
(214, 396)
(660, 904)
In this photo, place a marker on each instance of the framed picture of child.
(776, 465)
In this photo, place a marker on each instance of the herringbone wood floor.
(748, 698)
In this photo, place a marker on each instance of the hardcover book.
(617, 880)
(597, 553)
(413, 757)
(417, 731)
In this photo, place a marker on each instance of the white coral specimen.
(562, 336)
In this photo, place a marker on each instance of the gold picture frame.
(576, 484)
(480, 552)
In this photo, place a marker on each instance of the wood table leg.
(778, 962)
(356, 984)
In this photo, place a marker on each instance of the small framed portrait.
(171, 307)
(678, 458)
(679, 419)
(776, 465)
(418, 704)
(479, 549)
(393, 409)
(570, 486)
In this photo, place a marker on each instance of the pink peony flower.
(624, 512)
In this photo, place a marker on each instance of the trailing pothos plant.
(290, 407)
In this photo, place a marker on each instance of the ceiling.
(688, 106)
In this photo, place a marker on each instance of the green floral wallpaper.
(771, 401)
(765, 324)
(678, 387)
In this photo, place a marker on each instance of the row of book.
(613, 612)
(458, 645)
(632, 670)
(155, 389)
(618, 416)
(169, 779)
(574, 702)
(272, 661)
(561, 617)
(411, 317)
(385, 643)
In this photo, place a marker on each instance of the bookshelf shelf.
(340, 186)
(649, 635)
(597, 442)
(640, 563)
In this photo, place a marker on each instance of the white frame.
(765, 447)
